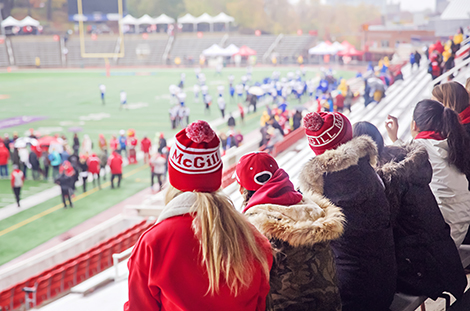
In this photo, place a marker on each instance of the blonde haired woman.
(201, 254)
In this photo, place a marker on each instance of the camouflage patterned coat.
(303, 276)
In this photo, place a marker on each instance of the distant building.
(441, 6)
(456, 14)
(379, 41)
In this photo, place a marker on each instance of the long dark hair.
(367, 128)
(431, 115)
(452, 95)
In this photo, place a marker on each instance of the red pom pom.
(200, 131)
(313, 121)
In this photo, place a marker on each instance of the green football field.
(71, 99)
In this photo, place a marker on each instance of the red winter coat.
(93, 163)
(145, 145)
(4, 155)
(115, 163)
(113, 144)
(165, 271)
(17, 179)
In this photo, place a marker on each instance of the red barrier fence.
(288, 141)
(62, 277)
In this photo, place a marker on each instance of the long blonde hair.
(228, 245)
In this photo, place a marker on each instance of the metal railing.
(168, 48)
(272, 47)
(223, 40)
(446, 74)
(117, 258)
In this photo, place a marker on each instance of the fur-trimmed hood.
(313, 220)
(405, 163)
(341, 158)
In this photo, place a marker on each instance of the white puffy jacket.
(450, 187)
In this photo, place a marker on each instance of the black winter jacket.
(427, 258)
(365, 254)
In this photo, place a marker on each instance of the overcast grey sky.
(415, 5)
(406, 5)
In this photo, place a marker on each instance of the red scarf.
(278, 190)
(465, 116)
(429, 135)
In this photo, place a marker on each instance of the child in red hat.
(299, 228)
(343, 172)
(201, 254)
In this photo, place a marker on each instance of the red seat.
(82, 269)
(70, 275)
(127, 241)
(6, 299)
(56, 286)
(106, 260)
(94, 265)
(117, 246)
(43, 289)
(18, 295)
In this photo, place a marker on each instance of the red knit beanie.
(326, 130)
(194, 161)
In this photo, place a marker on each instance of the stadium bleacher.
(139, 51)
(106, 44)
(4, 62)
(27, 48)
(290, 46)
(260, 44)
(192, 46)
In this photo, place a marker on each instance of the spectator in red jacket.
(93, 163)
(115, 164)
(339, 102)
(113, 143)
(202, 254)
(4, 156)
(17, 181)
(145, 145)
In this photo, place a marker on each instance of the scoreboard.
(96, 10)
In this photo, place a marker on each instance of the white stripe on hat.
(205, 162)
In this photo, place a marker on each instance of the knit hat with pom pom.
(194, 161)
(326, 130)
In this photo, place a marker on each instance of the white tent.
(164, 19)
(187, 19)
(338, 46)
(146, 20)
(10, 21)
(322, 49)
(231, 49)
(222, 18)
(29, 21)
(129, 20)
(213, 51)
(204, 18)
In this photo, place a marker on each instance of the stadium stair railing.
(58, 280)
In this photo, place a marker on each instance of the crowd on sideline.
(67, 161)
(367, 221)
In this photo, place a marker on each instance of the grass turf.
(41, 230)
(72, 99)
